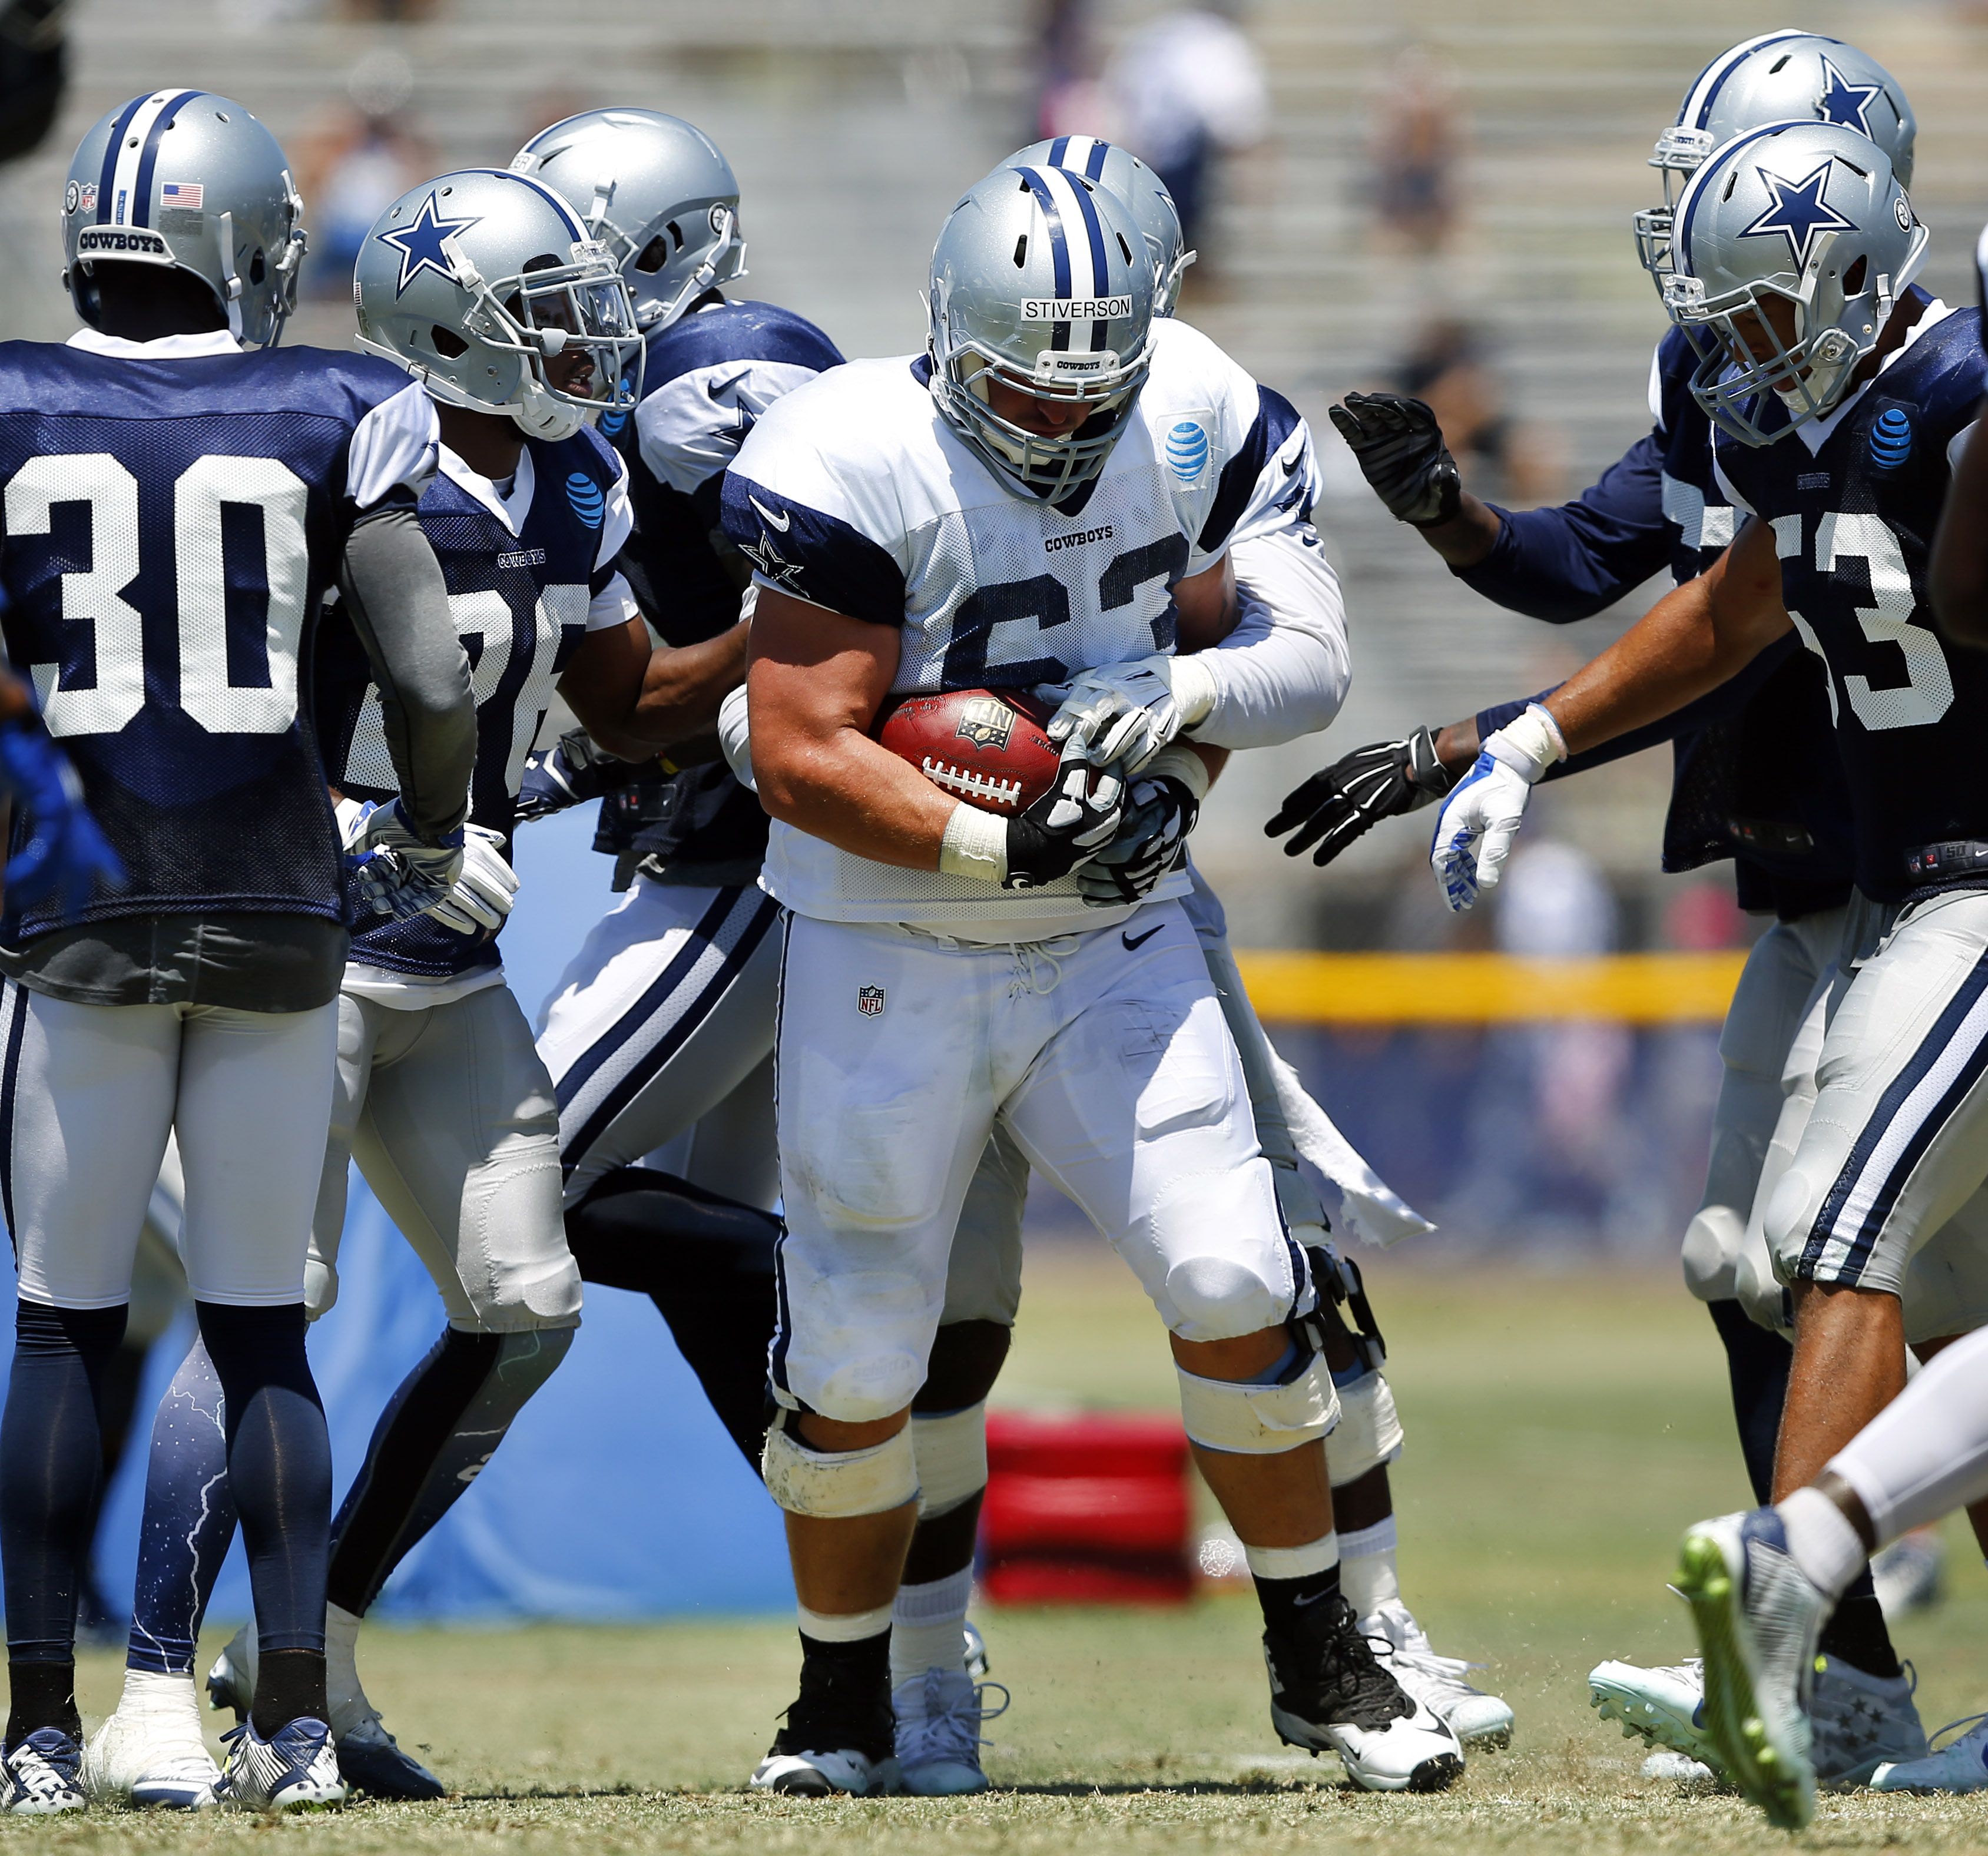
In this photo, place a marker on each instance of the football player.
(1757, 779)
(179, 495)
(878, 504)
(1839, 393)
(1924, 1454)
(486, 286)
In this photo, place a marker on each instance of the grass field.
(1563, 1430)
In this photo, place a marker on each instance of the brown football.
(988, 747)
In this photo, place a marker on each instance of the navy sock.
(188, 1521)
(1856, 1631)
(441, 1427)
(50, 1472)
(279, 1465)
(1756, 1364)
(707, 1263)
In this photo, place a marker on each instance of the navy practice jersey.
(1756, 776)
(527, 578)
(1853, 501)
(174, 513)
(707, 378)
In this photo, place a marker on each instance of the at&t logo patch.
(870, 1001)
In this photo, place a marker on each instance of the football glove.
(1147, 844)
(1341, 804)
(482, 894)
(1067, 826)
(1128, 712)
(393, 872)
(571, 771)
(66, 854)
(1399, 448)
(1482, 816)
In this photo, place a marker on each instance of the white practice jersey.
(853, 493)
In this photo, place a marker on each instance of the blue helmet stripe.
(1058, 149)
(1100, 270)
(1701, 181)
(1058, 244)
(106, 181)
(1734, 61)
(1094, 167)
(557, 200)
(148, 160)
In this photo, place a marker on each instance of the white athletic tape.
(950, 1452)
(1293, 1562)
(1369, 1433)
(1259, 1420)
(839, 1485)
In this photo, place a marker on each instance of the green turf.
(1563, 1431)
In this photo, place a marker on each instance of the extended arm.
(1960, 548)
(391, 585)
(1283, 671)
(636, 701)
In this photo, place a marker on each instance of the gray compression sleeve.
(392, 586)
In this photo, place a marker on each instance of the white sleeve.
(1657, 387)
(619, 522)
(735, 738)
(690, 428)
(398, 442)
(614, 604)
(1283, 671)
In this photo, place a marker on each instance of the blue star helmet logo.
(1800, 213)
(420, 244)
(1845, 103)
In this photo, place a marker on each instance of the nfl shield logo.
(986, 721)
(870, 1001)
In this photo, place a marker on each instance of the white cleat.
(231, 1681)
(1961, 1765)
(939, 1714)
(1332, 1695)
(1664, 1704)
(43, 1775)
(1480, 1721)
(296, 1768)
(1678, 1768)
(1861, 1722)
(149, 1753)
(824, 1775)
(1758, 1619)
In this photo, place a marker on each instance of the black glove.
(1163, 811)
(1352, 796)
(570, 771)
(1068, 825)
(1399, 447)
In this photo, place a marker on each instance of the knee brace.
(838, 1485)
(950, 1454)
(1261, 1420)
(1369, 1433)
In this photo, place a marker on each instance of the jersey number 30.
(96, 597)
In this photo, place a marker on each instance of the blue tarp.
(617, 1494)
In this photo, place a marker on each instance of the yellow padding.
(1489, 989)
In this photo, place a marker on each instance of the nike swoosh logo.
(779, 524)
(1132, 946)
(1298, 1604)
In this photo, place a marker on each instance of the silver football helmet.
(1779, 77)
(1134, 182)
(1806, 217)
(475, 282)
(187, 182)
(1040, 282)
(656, 192)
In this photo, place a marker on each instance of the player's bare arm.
(637, 700)
(1960, 548)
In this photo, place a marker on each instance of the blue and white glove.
(394, 873)
(1484, 808)
(1122, 714)
(569, 772)
(67, 852)
(1163, 805)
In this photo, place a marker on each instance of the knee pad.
(838, 1485)
(1260, 1420)
(1217, 1298)
(950, 1455)
(1369, 1433)
(1713, 1242)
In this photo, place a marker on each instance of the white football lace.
(949, 1729)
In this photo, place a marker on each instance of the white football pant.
(1105, 1056)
